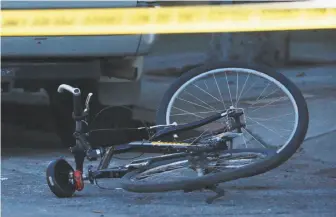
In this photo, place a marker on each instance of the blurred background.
(132, 71)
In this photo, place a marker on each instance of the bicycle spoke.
(263, 98)
(266, 127)
(262, 143)
(219, 91)
(243, 89)
(194, 103)
(198, 137)
(263, 91)
(206, 85)
(271, 118)
(237, 85)
(244, 140)
(188, 112)
(268, 104)
(201, 100)
(228, 88)
(196, 113)
(206, 92)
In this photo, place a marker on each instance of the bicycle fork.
(81, 147)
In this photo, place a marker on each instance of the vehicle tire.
(278, 157)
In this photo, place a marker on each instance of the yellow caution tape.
(189, 19)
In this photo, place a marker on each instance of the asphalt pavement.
(304, 186)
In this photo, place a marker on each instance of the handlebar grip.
(77, 105)
(76, 93)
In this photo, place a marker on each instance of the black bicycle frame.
(153, 146)
(83, 148)
(170, 149)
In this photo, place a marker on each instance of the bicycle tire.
(187, 184)
(258, 168)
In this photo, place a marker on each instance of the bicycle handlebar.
(76, 93)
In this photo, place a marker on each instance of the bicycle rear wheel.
(202, 92)
(182, 174)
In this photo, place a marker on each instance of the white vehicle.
(108, 66)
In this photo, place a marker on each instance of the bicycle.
(211, 149)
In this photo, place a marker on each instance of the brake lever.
(87, 102)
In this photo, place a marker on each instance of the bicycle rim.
(239, 71)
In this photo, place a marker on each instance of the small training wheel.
(60, 178)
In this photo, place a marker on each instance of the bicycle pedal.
(94, 154)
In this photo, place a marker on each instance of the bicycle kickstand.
(219, 193)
